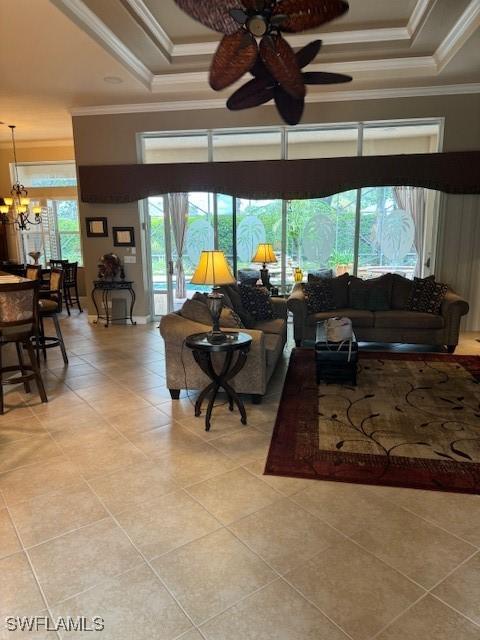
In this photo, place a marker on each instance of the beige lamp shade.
(213, 268)
(264, 254)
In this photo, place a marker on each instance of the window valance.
(451, 172)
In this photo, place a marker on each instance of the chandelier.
(15, 209)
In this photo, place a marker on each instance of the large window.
(366, 231)
(58, 237)
(45, 174)
(387, 235)
(321, 233)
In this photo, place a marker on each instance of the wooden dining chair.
(33, 272)
(18, 325)
(57, 264)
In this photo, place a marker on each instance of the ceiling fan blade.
(308, 53)
(254, 5)
(321, 77)
(254, 93)
(235, 55)
(259, 70)
(214, 14)
(307, 14)
(291, 109)
(280, 60)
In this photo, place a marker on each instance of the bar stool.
(49, 306)
(18, 325)
(70, 282)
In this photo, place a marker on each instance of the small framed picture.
(97, 227)
(123, 236)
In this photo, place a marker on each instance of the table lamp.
(265, 255)
(214, 269)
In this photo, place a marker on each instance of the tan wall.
(112, 139)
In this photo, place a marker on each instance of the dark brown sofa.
(396, 325)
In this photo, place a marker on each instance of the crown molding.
(150, 25)
(418, 16)
(458, 35)
(414, 66)
(300, 40)
(358, 36)
(82, 15)
(330, 96)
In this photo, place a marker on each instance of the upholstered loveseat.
(394, 324)
(268, 341)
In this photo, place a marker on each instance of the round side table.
(202, 352)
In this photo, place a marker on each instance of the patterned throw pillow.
(197, 310)
(427, 295)
(256, 300)
(318, 296)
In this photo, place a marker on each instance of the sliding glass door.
(209, 225)
(158, 229)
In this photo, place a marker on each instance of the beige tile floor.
(114, 502)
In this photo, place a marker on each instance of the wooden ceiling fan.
(253, 41)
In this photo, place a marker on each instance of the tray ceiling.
(160, 57)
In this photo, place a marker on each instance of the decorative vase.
(297, 274)
(35, 255)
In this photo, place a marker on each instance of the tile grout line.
(148, 562)
(398, 616)
(278, 574)
(284, 579)
(460, 613)
(441, 527)
(385, 562)
(472, 555)
(289, 497)
(227, 527)
(430, 593)
(32, 569)
(422, 517)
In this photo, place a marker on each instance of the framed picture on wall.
(123, 236)
(97, 227)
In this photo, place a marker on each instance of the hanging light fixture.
(16, 207)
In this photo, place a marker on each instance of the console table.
(105, 288)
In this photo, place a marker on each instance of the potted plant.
(341, 261)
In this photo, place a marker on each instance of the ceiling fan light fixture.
(257, 25)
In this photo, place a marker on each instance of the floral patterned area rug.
(413, 420)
